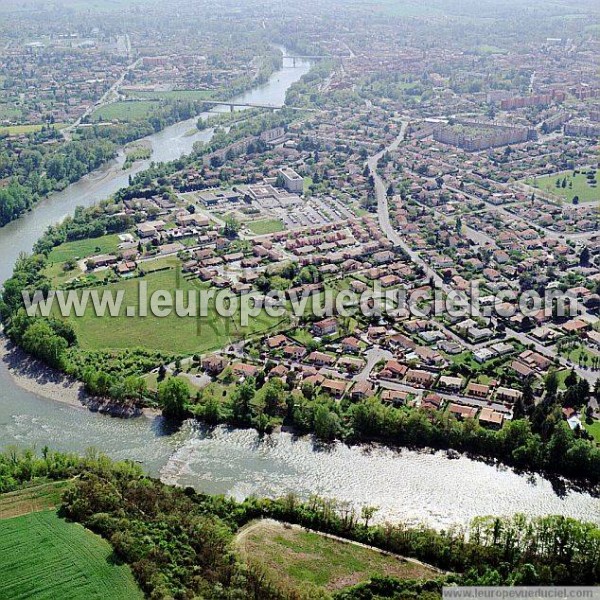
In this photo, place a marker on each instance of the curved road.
(383, 216)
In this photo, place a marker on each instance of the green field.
(579, 354)
(172, 334)
(9, 112)
(265, 226)
(126, 111)
(594, 430)
(293, 558)
(172, 95)
(43, 556)
(19, 129)
(84, 248)
(579, 186)
(31, 499)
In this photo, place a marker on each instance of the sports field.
(265, 226)
(44, 557)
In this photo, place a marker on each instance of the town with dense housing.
(390, 215)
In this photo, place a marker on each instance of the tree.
(367, 513)
(273, 397)
(584, 257)
(241, 398)
(551, 383)
(525, 404)
(327, 424)
(211, 412)
(69, 265)
(173, 396)
(41, 341)
(135, 387)
(231, 228)
(571, 379)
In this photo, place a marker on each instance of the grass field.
(9, 112)
(19, 129)
(594, 430)
(151, 380)
(43, 556)
(294, 557)
(265, 226)
(172, 95)
(579, 354)
(31, 499)
(579, 187)
(307, 183)
(125, 111)
(173, 334)
(83, 248)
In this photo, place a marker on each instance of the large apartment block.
(582, 128)
(475, 135)
(291, 180)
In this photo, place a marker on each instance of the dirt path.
(273, 526)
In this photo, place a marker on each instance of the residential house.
(450, 383)
(477, 390)
(462, 412)
(334, 387)
(214, 364)
(325, 327)
(361, 389)
(244, 370)
(419, 377)
(491, 418)
(508, 394)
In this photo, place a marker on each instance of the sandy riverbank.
(37, 378)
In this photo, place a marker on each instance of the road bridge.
(233, 104)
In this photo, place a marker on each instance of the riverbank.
(34, 376)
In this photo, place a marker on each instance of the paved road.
(383, 211)
(374, 355)
(547, 232)
(108, 97)
(387, 228)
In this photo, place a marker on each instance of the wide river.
(406, 485)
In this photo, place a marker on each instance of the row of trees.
(537, 439)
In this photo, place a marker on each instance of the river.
(406, 485)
